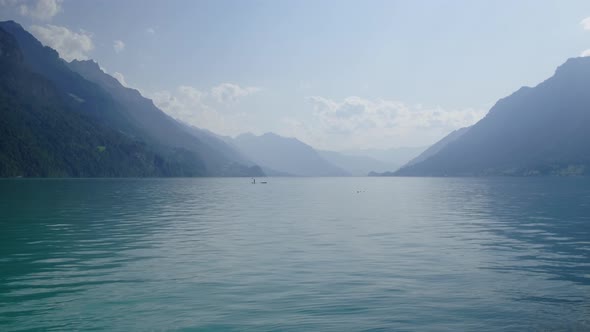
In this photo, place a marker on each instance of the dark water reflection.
(296, 254)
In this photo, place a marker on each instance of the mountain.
(86, 91)
(431, 151)
(535, 131)
(436, 147)
(160, 129)
(45, 132)
(395, 157)
(356, 165)
(221, 144)
(285, 156)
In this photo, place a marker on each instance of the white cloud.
(585, 53)
(41, 10)
(184, 103)
(354, 113)
(69, 44)
(378, 123)
(120, 78)
(151, 31)
(206, 109)
(118, 46)
(585, 23)
(229, 93)
(329, 124)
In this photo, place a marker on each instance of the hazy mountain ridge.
(534, 131)
(436, 147)
(44, 132)
(431, 151)
(87, 92)
(394, 156)
(285, 156)
(161, 129)
(388, 160)
(356, 165)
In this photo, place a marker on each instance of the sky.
(337, 75)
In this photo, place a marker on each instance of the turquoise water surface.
(296, 254)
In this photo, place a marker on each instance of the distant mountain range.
(358, 164)
(285, 156)
(71, 119)
(377, 161)
(396, 157)
(535, 131)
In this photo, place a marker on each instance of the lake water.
(296, 254)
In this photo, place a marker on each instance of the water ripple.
(295, 254)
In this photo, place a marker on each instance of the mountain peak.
(534, 131)
(285, 155)
(271, 134)
(579, 65)
(12, 24)
(275, 136)
(245, 135)
(89, 64)
(28, 43)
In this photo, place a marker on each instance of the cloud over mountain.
(69, 44)
(121, 78)
(212, 108)
(229, 93)
(356, 121)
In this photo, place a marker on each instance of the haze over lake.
(332, 254)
